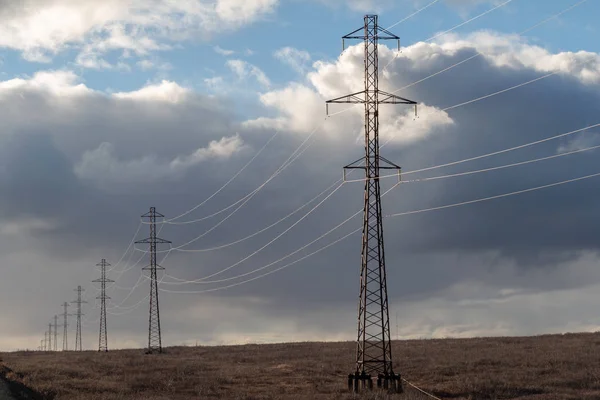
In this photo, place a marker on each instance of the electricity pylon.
(374, 351)
(102, 339)
(154, 337)
(55, 332)
(49, 345)
(78, 345)
(65, 325)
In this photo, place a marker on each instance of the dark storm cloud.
(496, 243)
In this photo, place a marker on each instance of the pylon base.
(361, 381)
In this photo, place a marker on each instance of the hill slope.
(532, 368)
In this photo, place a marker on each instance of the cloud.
(586, 139)
(62, 83)
(146, 65)
(368, 6)
(103, 166)
(216, 84)
(244, 69)
(165, 91)
(297, 59)
(495, 267)
(223, 52)
(41, 29)
(515, 53)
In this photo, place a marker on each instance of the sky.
(214, 113)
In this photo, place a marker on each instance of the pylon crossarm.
(149, 268)
(388, 35)
(389, 98)
(391, 165)
(153, 214)
(348, 98)
(157, 240)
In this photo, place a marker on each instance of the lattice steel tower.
(154, 338)
(374, 352)
(102, 339)
(49, 345)
(78, 346)
(65, 325)
(47, 335)
(55, 332)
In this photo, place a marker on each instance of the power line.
(454, 27)
(475, 55)
(480, 54)
(132, 289)
(204, 280)
(500, 92)
(468, 21)
(265, 228)
(502, 151)
(516, 164)
(273, 240)
(413, 14)
(293, 157)
(495, 197)
(359, 180)
(448, 108)
(424, 210)
(230, 180)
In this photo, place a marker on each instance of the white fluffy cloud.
(41, 28)
(515, 53)
(62, 84)
(297, 59)
(223, 52)
(361, 5)
(334, 79)
(54, 167)
(102, 165)
(165, 91)
(244, 69)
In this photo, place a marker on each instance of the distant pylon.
(78, 346)
(55, 332)
(374, 350)
(65, 325)
(154, 337)
(41, 348)
(103, 340)
(49, 345)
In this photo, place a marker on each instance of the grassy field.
(532, 368)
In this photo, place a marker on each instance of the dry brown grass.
(533, 368)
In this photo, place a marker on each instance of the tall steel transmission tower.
(65, 325)
(154, 338)
(102, 339)
(55, 332)
(374, 351)
(49, 345)
(79, 301)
